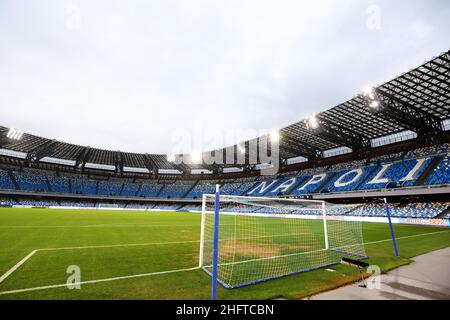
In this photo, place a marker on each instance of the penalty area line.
(99, 280)
(16, 266)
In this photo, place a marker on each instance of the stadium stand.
(87, 204)
(411, 210)
(83, 185)
(5, 180)
(203, 187)
(38, 203)
(7, 202)
(441, 175)
(139, 206)
(378, 173)
(59, 184)
(383, 154)
(150, 190)
(176, 190)
(130, 189)
(31, 180)
(108, 188)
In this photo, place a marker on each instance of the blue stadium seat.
(394, 174)
(201, 188)
(175, 190)
(5, 181)
(311, 183)
(84, 186)
(150, 190)
(31, 181)
(441, 174)
(130, 189)
(59, 184)
(107, 188)
(348, 179)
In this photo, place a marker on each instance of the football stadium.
(340, 199)
(142, 226)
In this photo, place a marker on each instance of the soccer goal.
(262, 238)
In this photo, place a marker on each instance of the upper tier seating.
(5, 181)
(83, 185)
(31, 181)
(441, 175)
(150, 190)
(395, 174)
(130, 189)
(175, 190)
(108, 188)
(205, 187)
(391, 171)
(59, 184)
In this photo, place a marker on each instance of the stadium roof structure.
(418, 101)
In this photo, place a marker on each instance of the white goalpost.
(261, 238)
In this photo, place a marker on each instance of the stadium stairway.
(443, 213)
(13, 179)
(189, 190)
(121, 188)
(159, 192)
(429, 170)
(49, 187)
(250, 188)
(325, 183)
(139, 190)
(70, 185)
(363, 181)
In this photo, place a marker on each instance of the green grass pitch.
(111, 244)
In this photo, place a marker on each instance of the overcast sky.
(138, 75)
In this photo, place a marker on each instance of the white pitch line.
(99, 280)
(407, 237)
(119, 245)
(101, 226)
(16, 266)
(144, 274)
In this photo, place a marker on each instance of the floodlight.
(374, 104)
(171, 157)
(369, 91)
(312, 122)
(196, 157)
(15, 134)
(274, 135)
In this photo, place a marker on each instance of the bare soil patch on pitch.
(260, 250)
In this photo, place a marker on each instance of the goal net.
(266, 238)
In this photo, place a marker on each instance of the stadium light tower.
(370, 96)
(369, 91)
(375, 104)
(241, 148)
(15, 134)
(196, 157)
(312, 122)
(171, 157)
(274, 135)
